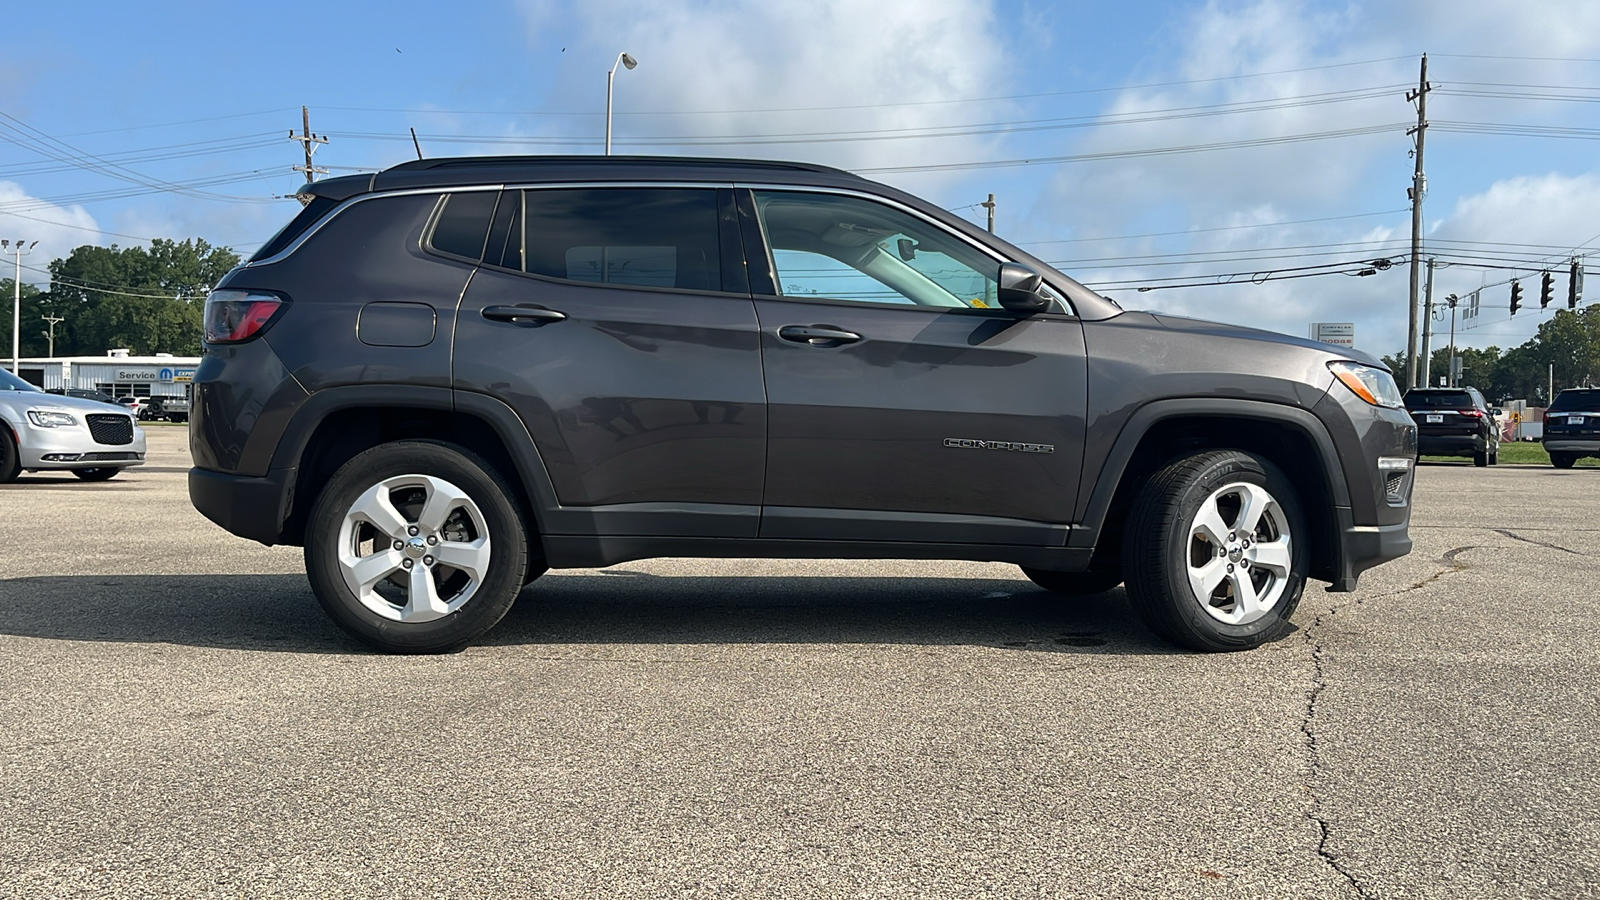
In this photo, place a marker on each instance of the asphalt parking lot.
(178, 718)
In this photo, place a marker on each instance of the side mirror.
(1021, 290)
(1497, 411)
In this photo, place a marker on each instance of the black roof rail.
(489, 162)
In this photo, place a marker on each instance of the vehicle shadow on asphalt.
(279, 613)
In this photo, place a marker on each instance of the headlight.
(45, 418)
(1374, 385)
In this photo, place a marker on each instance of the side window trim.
(751, 223)
(434, 218)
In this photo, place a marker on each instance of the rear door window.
(639, 237)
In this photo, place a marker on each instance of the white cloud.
(743, 59)
(57, 229)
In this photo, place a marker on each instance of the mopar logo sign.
(971, 444)
(175, 376)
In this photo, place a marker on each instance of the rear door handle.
(526, 315)
(818, 335)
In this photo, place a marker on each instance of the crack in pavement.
(1319, 683)
(1517, 537)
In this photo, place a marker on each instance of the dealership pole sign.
(1341, 333)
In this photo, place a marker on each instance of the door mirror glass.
(1021, 289)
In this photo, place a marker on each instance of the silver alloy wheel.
(1240, 551)
(413, 548)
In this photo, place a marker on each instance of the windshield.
(1583, 401)
(10, 382)
(1439, 400)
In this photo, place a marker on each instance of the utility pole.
(51, 334)
(16, 249)
(989, 205)
(1419, 186)
(1451, 365)
(310, 142)
(1427, 328)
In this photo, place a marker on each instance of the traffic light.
(1516, 296)
(1575, 285)
(1547, 289)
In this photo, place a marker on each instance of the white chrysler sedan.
(44, 432)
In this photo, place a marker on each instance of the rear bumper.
(253, 508)
(1445, 444)
(1561, 445)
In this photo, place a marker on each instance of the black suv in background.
(1572, 426)
(447, 377)
(1455, 422)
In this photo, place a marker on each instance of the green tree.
(148, 301)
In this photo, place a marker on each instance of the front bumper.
(73, 447)
(1365, 546)
(249, 507)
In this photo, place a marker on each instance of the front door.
(600, 316)
(904, 404)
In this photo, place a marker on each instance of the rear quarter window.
(463, 224)
(308, 216)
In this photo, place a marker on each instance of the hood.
(40, 400)
(1202, 326)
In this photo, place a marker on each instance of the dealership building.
(116, 373)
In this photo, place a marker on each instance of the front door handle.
(818, 335)
(526, 315)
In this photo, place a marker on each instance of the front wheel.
(1563, 460)
(416, 547)
(1214, 552)
(1074, 584)
(10, 457)
(99, 473)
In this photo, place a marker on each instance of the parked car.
(42, 432)
(84, 394)
(1572, 426)
(447, 377)
(135, 405)
(170, 409)
(1455, 422)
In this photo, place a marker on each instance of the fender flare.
(1145, 418)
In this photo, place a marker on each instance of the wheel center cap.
(416, 548)
(1235, 553)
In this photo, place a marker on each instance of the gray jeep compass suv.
(447, 377)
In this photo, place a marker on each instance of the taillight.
(234, 316)
(1475, 413)
(1545, 419)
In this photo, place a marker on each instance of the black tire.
(1480, 459)
(1075, 584)
(1559, 460)
(10, 458)
(99, 473)
(463, 607)
(1494, 458)
(1161, 549)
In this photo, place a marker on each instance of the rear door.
(605, 316)
(904, 404)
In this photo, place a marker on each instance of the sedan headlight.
(46, 418)
(1370, 383)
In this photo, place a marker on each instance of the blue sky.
(1143, 143)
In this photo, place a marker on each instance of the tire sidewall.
(10, 455)
(479, 481)
(1204, 631)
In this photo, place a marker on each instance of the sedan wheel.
(10, 458)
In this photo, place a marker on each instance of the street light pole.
(629, 62)
(19, 252)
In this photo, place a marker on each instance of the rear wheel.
(1076, 584)
(1211, 553)
(1480, 459)
(1563, 460)
(416, 547)
(10, 458)
(100, 473)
